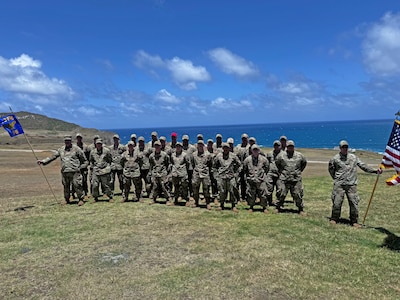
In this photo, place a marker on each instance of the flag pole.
(41, 168)
(370, 199)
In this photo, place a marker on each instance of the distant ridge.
(44, 131)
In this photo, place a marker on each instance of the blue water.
(369, 135)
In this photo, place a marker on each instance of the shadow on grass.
(391, 241)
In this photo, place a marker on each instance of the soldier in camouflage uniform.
(227, 165)
(145, 152)
(100, 159)
(72, 161)
(291, 164)
(242, 151)
(214, 183)
(131, 161)
(189, 149)
(343, 170)
(117, 151)
(179, 164)
(273, 180)
(159, 168)
(255, 169)
(84, 171)
(202, 164)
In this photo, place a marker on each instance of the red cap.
(174, 134)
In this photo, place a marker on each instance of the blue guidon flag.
(11, 124)
(391, 157)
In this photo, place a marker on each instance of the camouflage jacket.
(290, 167)
(100, 161)
(202, 164)
(343, 168)
(131, 162)
(227, 167)
(256, 169)
(273, 169)
(116, 153)
(179, 164)
(159, 164)
(72, 159)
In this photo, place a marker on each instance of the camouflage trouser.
(180, 187)
(160, 184)
(137, 182)
(144, 174)
(72, 179)
(225, 186)
(254, 189)
(338, 193)
(273, 182)
(296, 190)
(105, 182)
(120, 176)
(197, 181)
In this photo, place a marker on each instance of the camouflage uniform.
(159, 166)
(131, 161)
(145, 152)
(343, 170)
(179, 165)
(255, 169)
(117, 151)
(228, 167)
(213, 177)
(242, 151)
(202, 164)
(72, 160)
(189, 149)
(273, 174)
(290, 166)
(84, 171)
(100, 160)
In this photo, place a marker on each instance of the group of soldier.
(177, 171)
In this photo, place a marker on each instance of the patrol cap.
(225, 145)
(276, 142)
(210, 141)
(200, 136)
(67, 138)
(131, 143)
(245, 136)
(254, 147)
(78, 135)
(252, 139)
(99, 141)
(283, 137)
(141, 139)
(133, 135)
(162, 138)
(157, 143)
(230, 141)
(343, 143)
(200, 142)
(218, 136)
(115, 136)
(290, 143)
(96, 137)
(185, 137)
(178, 144)
(154, 133)
(174, 134)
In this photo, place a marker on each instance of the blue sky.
(159, 63)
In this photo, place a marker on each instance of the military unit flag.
(11, 124)
(391, 157)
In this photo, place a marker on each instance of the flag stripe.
(391, 157)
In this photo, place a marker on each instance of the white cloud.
(381, 47)
(232, 64)
(184, 74)
(225, 104)
(165, 96)
(22, 77)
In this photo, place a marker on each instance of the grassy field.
(136, 251)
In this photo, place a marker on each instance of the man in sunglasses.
(343, 170)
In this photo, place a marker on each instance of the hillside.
(44, 132)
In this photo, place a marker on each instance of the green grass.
(136, 251)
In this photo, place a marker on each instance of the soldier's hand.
(379, 171)
(39, 162)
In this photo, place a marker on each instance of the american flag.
(391, 157)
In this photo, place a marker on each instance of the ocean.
(371, 135)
